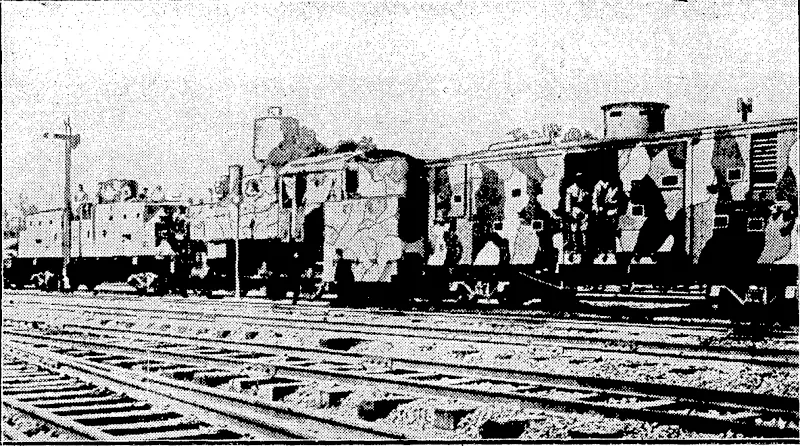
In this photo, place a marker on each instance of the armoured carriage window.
(721, 221)
(126, 236)
(498, 226)
(637, 210)
(300, 189)
(537, 225)
(124, 216)
(110, 217)
(764, 160)
(615, 114)
(516, 192)
(351, 182)
(449, 188)
(755, 224)
(252, 187)
(735, 174)
(669, 181)
(105, 233)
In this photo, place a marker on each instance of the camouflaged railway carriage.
(715, 206)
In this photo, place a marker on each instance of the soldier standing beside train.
(81, 203)
(576, 211)
(608, 203)
(343, 277)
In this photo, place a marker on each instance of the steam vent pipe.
(632, 119)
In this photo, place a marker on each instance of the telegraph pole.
(70, 143)
(235, 190)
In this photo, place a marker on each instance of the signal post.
(70, 143)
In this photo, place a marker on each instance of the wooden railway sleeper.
(88, 410)
(281, 421)
(640, 412)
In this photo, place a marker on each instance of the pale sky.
(166, 93)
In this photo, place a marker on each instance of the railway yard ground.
(119, 367)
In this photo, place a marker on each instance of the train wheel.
(10, 281)
(459, 291)
(508, 297)
(92, 287)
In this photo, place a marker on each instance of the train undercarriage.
(293, 270)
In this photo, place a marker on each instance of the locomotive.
(715, 206)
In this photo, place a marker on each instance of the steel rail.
(522, 315)
(501, 318)
(767, 357)
(92, 406)
(606, 345)
(766, 400)
(241, 410)
(595, 388)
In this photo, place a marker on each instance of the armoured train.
(715, 206)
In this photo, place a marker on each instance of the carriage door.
(591, 198)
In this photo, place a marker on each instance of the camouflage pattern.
(367, 231)
(510, 217)
(533, 209)
(653, 177)
(358, 198)
(260, 213)
(736, 215)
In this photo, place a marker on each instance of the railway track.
(599, 336)
(51, 396)
(172, 359)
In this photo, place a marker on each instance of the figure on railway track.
(344, 277)
(199, 274)
(295, 276)
(453, 245)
